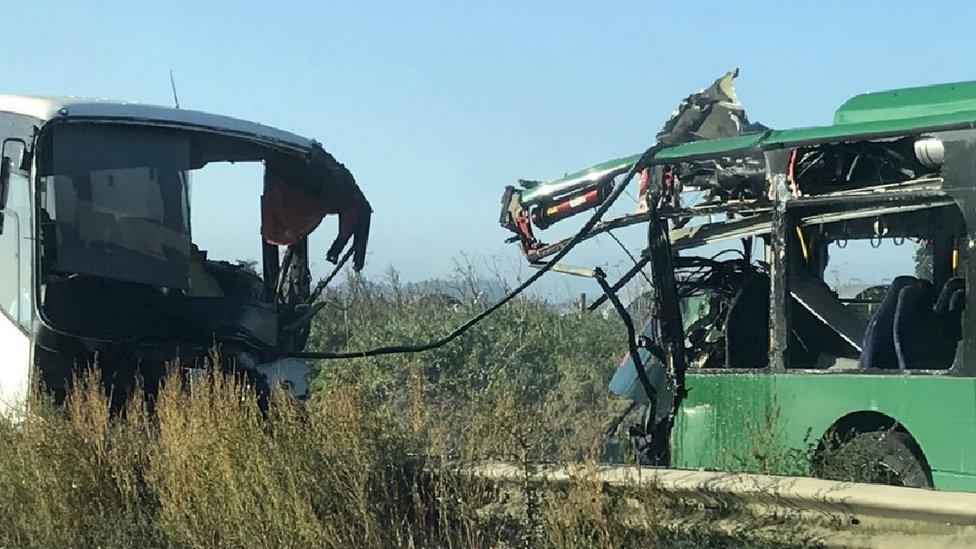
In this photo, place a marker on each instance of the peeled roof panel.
(599, 168)
(879, 114)
(705, 147)
(712, 147)
(568, 181)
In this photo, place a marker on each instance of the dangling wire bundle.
(467, 325)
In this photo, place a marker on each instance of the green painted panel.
(908, 103)
(859, 130)
(600, 168)
(591, 174)
(718, 421)
(770, 422)
(939, 411)
(956, 482)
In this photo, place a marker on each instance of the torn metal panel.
(709, 233)
(298, 195)
(539, 190)
(712, 113)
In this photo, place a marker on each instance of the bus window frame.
(791, 208)
(23, 128)
(10, 315)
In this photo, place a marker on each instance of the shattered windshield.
(116, 198)
(118, 259)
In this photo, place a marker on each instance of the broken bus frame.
(98, 262)
(754, 349)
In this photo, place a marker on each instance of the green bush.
(538, 353)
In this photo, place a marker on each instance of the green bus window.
(877, 292)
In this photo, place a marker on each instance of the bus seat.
(947, 328)
(958, 302)
(948, 290)
(878, 346)
(916, 334)
(950, 316)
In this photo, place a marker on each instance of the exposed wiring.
(325, 281)
(310, 307)
(577, 238)
(631, 256)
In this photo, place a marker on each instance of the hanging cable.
(325, 281)
(645, 381)
(310, 308)
(631, 256)
(454, 334)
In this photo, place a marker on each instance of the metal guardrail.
(863, 515)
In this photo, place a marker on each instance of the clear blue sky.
(436, 106)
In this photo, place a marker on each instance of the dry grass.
(370, 461)
(209, 469)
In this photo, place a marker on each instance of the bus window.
(860, 271)
(877, 292)
(15, 252)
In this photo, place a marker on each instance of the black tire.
(880, 457)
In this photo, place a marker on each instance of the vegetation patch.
(371, 459)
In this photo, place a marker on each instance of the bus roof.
(46, 108)
(874, 115)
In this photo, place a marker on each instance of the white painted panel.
(15, 366)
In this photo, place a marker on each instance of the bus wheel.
(879, 457)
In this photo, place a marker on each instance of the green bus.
(810, 289)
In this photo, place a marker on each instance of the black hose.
(611, 294)
(577, 238)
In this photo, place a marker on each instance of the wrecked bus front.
(97, 219)
(821, 288)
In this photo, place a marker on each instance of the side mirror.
(6, 164)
